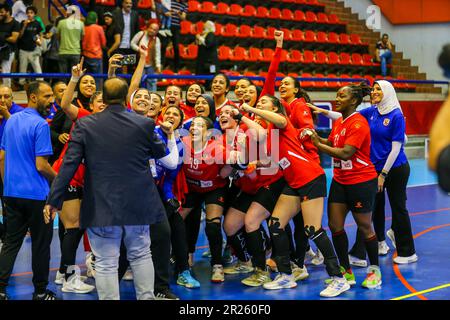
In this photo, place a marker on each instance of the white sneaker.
(128, 276)
(282, 281)
(406, 260)
(310, 254)
(318, 259)
(354, 261)
(217, 275)
(169, 33)
(383, 248)
(299, 273)
(162, 33)
(75, 285)
(335, 288)
(391, 236)
(60, 278)
(239, 267)
(90, 265)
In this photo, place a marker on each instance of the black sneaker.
(48, 295)
(4, 296)
(165, 294)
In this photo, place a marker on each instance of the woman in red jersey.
(354, 183)
(192, 93)
(220, 86)
(203, 162)
(305, 190)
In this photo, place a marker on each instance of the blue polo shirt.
(14, 109)
(384, 129)
(26, 136)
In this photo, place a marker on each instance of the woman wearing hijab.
(207, 50)
(387, 129)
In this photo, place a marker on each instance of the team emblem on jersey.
(343, 132)
(284, 163)
(358, 205)
(386, 122)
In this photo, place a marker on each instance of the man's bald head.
(115, 91)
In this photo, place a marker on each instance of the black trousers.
(395, 186)
(24, 214)
(176, 52)
(160, 249)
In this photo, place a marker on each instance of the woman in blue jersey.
(387, 129)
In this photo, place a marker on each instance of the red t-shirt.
(78, 178)
(189, 112)
(298, 166)
(353, 131)
(202, 168)
(301, 118)
(227, 102)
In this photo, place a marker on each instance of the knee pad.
(213, 230)
(312, 233)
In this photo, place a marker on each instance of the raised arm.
(278, 120)
(137, 75)
(333, 115)
(66, 102)
(269, 83)
(261, 133)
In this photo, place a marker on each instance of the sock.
(255, 243)
(281, 243)
(372, 250)
(71, 240)
(214, 235)
(192, 222)
(238, 244)
(290, 236)
(323, 243)
(340, 242)
(301, 242)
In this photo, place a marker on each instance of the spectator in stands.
(9, 34)
(383, 53)
(178, 13)
(112, 33)
(149, 40)
(51, 56)
(29, 43)
(26, 174)
(207, 59)
(70, 33)
(19, 9)
(59, 88)
(94, 41)
(164, 14)
(127, 20)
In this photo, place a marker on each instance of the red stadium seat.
(235, 10)
(321, 57)
(183, 51)
(333, 58)
(207, 7)
(185, 27)
(295, 56)
(281, 75)
(183, 82)
(333, 84)
(293, 75)
(299, 15)
(270, 33)
(230, 30)
(297, 35)
(333, 37)
(287, 34)
(259, 32)
(344, 38)
(307, 83)
(197, 28)
(245, 31)
(221, 8)
(287, 14)
(274, 13)
(165, 82)
(84, 1)
(193, 6)
(320, 84)
(321, 37)
(345, 83)
(254, 54)
(333, 19)
(308, 56)
(225, 53)
(169, 52)
(310, 36)
(219, 29)
(322, 18)
(284, 55)
(344, 58)
(313, 3)
(248, 11)
(310, 17)
(267, 55)
(262, 12)
(357, 76)
(142, 4)
(191, 52)
(239, 54)
(367, 60)
(357, 59)
(355, 39)
(370, 78)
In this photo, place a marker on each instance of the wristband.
(238, 116)
(384, 174)
(74, 79)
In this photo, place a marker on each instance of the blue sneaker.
(185, 279)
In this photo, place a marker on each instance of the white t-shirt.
(19, 11)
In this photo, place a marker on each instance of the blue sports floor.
(428, 279)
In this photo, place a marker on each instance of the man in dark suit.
(120, 197)
(127, 20)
